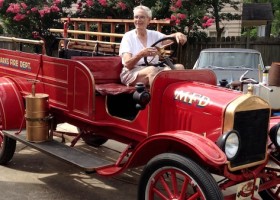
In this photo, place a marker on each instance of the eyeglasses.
(139, 17)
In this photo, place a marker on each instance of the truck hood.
(195, 107)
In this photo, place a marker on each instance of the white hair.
(145, 8)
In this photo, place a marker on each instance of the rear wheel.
(171, 176)
(7, 148)
(94, 140)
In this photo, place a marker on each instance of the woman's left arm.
(180, 37)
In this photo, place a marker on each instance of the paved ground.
(32, 175)
(35, 176)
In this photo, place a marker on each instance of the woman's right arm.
(130, 61)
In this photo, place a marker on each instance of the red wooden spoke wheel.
(173, 177)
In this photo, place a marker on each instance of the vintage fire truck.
(184, 130)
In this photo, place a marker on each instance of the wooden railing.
(87, 39)
(127, 23)
(13, 41)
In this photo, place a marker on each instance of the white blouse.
(131, 44)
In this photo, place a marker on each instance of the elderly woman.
(136, 44)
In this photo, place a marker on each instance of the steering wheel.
(164, 55)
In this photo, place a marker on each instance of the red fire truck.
(183, 130)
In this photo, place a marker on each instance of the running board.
(86, 161)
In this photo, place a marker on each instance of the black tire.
(265, 195)
(168, 167)
(7, 149)
(94, 140)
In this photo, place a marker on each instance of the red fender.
(11, 105)
(186, 143)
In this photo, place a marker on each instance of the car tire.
(166, 173)
(7, 149)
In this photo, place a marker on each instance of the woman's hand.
(180, 38)
(150, 51)
(130, 61)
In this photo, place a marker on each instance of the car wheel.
(94, 140)
(7, 148)
(172, 176)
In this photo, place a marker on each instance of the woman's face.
(141, 19)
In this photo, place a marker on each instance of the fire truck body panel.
(187, 115)
(180, 102)
(10, 97)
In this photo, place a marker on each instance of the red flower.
(23, 5)
(57, 2)
(173, 18)
(79, 5)
(173, 9)
(103, 2)
(44, 11)
(13, 8)
(47, 9)
(89, 3)
(1, 3)
(54, 8)
(210, 21)
(121, 5)
(205, 18)
(178, 4)
(19, 17)
(207, 22)
(34, 9)
(181, 16)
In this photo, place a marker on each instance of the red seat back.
(105, 69)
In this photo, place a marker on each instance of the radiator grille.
(252, 126)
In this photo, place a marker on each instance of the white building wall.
(232, 28)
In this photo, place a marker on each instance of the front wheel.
(172, 176)
(7, 148)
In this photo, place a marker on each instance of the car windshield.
(222, 60)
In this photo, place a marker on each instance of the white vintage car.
(233, 64)
(230, 63)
